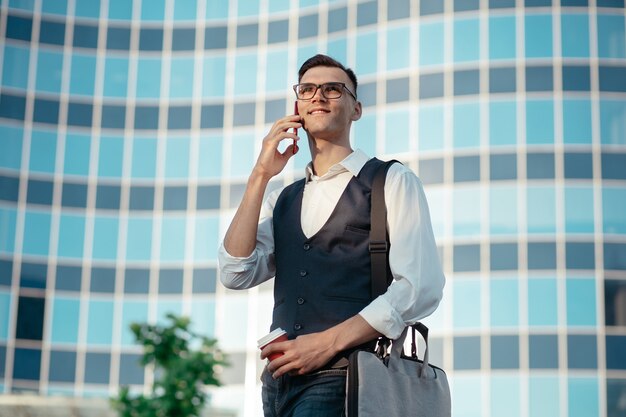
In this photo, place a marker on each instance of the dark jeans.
(320, 394)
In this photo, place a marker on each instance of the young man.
(312, 236)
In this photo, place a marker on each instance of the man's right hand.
(271, 162)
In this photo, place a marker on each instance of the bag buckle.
(380, 246)
(382, 346)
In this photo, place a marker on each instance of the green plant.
(179, 371)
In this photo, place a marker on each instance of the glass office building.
(128, 129)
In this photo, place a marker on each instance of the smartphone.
(295, 130)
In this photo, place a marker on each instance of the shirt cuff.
(235, 264)
(384, 318)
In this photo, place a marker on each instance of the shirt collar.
(352, 163)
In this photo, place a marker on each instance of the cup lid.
(270, 336)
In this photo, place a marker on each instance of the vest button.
(300, 300)
(297, 327)
(303, 273)
(306, 246)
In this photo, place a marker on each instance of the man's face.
(328, 119)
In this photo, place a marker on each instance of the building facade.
(128, 129)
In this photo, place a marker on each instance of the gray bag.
(396, 385)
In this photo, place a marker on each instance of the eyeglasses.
(306, 91)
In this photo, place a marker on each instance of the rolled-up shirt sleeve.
(239, 273)
(418, 279)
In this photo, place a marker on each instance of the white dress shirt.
(418, 278)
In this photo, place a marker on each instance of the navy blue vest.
(323, 280)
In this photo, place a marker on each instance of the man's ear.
(358, 111)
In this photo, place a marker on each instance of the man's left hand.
(300, 356)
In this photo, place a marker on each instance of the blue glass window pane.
(502, 123)
(210, 157)
(139, 239)
(77, 154)
(398, 53)
(581, 302)
(71, 236)
(43, 151)
(177, 158)
(36, 233)
(144, 158)
(115, 77)
(465, 390)
(430, 128)
(205, 247)
(181, 77)
(613, 213)
(466, 305)
(367, 53)
(613, 122)
(62, 366)
(242, 145)
(111, 157)
(15, 68)
(7, 232)
(577, 121)
(83, 74)
(542, 392)
(154, 10)
(203, 313)
(504, 302)
(87, 8)
(582, 352)
(466, 125)
(467, 352)
(431, 39)
(505, 396)
(363, 139)
(213, 76)
(539, 121)
(397, 132)
(99, 322)
(5, 310)
(579, 216)
(54, 6)
(502, 37)
(277, 76)
(543, 351)
(49, 71)
(218, 9)
(11, 155)
(538, 38)
(27, 364)
(466, 40)
(583, 397)
(504, 352)
(542, 302)
(541, 210)
(132, 312)
(166, 307)
(575, 35)
(338, 49)
(611, 37)
(503, 210)
(121, 10)
(149, 83)
(105, 238)
(245, 74)
(65, 316)
(173, 239)
(248, 7)
(467, 211)
(185, 10)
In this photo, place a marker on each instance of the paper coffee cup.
(278, 335)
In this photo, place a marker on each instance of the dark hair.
(320, 60)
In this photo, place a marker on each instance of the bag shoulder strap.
(379, 237)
